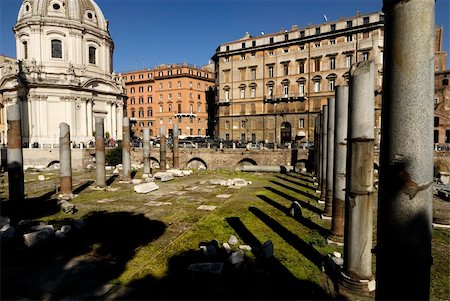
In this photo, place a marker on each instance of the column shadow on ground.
(301, 176)
(82, 187)
(308, 186)
(309, 195)
(111, 180)
(304, 204)
(301, 219)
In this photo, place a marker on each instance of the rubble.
(236, 257)
(146, 187)
(66, 207)
(206, 207)
(232, 240)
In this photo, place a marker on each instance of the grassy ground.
(128, 249)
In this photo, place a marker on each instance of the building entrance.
(286, 135)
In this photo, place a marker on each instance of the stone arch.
(154, 162)
(197, 163)
(244, 162)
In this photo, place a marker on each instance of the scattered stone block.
(105, 201)
(146, 187)
(35, 238)
(215, 182)
(112, 189)
(223, 196)
(206, 207)
(245, 248)
(66, 229)
(66, 207)
(7, 232)
(167, 177)
(226, 247)
(337, 254)
(338, 261)
(267, 249)
(158, 175)
(157, 204)
(41, 177)
(296, 210)
(239, 182)
(176, 172)
(187, 172)
(207, 267)
(136, 181)
(232, 240)
(236, 257)
(43, 227)
(191, 188)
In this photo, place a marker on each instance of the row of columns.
(345, 166)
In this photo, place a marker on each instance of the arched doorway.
(286, 135)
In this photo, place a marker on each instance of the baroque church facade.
(63, 72)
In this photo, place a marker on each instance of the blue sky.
(147, 33)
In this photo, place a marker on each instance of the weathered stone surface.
(236, 257)
(157, 204)
(167, 177)
(146, 187)
(245, 248)
(267, 249)
(226, 247)
(232, 240)
(295, 210)
(206, 207)
(223, 196)
(66, 229)
(176, 172)
(105, 201)
(136, 181)
(239, 182)
(7, 232)
(35, 238)
(206, 267)
(66, 207)
(41, 177)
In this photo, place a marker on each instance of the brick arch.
(196, 162)
(245, 161)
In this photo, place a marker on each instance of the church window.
(56, 49)
(25, 50)
(92, 55)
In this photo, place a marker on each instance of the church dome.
(85, 12)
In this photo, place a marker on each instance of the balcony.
(284, 98)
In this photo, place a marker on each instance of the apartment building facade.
(168, 94)
(272, 87)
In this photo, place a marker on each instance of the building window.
(366, 20)
(178, 95)
(253, 73)
(270, 52)
(349, 38)
(170, 107)
(190, 85)
(301, 47)
(317, 65)
(179, 108)
(141, 112)
(285, 90)
(301, 89)
(131, 90)
(253, 43)
(161, 109)
(436, 136)
(332, 63)
(286, 69)
(170, 85)
(179, 84)
(270, 69)
(285, 50)
(243, 45)
(191, 108)
(436, 121)
(302, 34)
(242, 92)
(227, 136)
(243, 123)
(141, 76)
(160, 97)
(317, 86)
(332, 41)
(447, 136)
(149, 112)
(133, 113)
(132, 101)
(301, 67)
(56, 49)
(191, 96)
(161, 121)
(141, 89)
(270, 91)
(141, 100)
(317, 30)
(227, 95)
(252, 55)
(227, 125)
(169, 72)
(301, 123)
(348, 60)
(366, 35)
(286, 36)
(365, 56)
(349, 24)
(331, 84)
(242, 57)
(149, 89)
(253, 92)
(170, 96)
(198, 86)
(25, 49)
(317, 44)
(199, 107)
(332, 27)
(160, 86)
(271, 40)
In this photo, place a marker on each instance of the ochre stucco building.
(168, 94)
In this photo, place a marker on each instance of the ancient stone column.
(317, 147)
(126, 155)
(162, 151)
(340, 161)
(323, 187)
(327, 213)
(406, 165)
(65, 161)
(359, 197)
(146, 152)
(176, 151)
(100, 152)
(14, 155)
